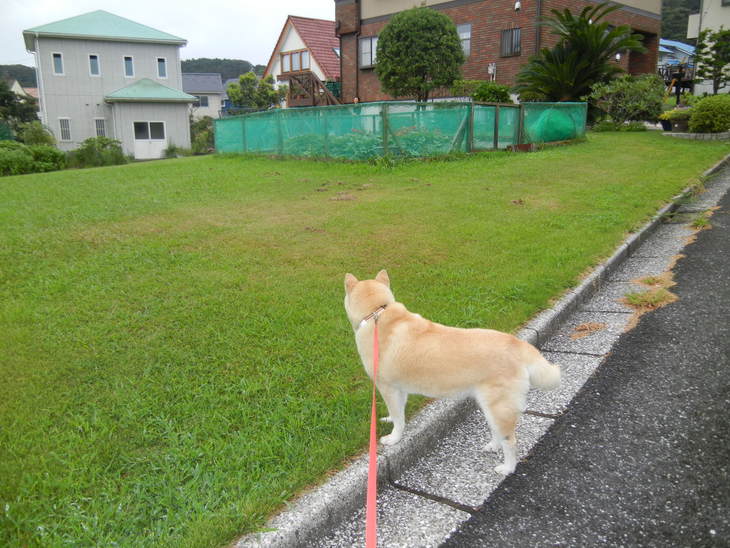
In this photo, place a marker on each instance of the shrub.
(711, 115)
(482, 90)
(33, 133)
(676, 114)
(47, 158)
(491, 92)
(97, 151)
(174, 151)
(201, 135)
(630, 98)
(15, 160)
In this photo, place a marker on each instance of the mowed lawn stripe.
(176, 361)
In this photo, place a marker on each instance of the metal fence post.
(496, 127)
(243, 132)
(386, 124)
(521, 125)
(470, 130)
(325, 125)
(279, 136)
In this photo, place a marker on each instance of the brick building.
(497, 38)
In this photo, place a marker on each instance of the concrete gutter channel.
(440, 472)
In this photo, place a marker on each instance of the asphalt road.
(642, 456)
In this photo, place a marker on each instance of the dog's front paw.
(504, 469)
(493, 446)
(390, 439)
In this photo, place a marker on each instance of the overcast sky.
(232, 29)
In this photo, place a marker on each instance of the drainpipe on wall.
(538, 28)
(39, 80)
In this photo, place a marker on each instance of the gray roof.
(202, 82)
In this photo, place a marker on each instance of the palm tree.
(583, 56)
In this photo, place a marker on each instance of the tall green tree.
(15, 110)
(712, 57)
(583, 56)
(418, 51)
(250, 92)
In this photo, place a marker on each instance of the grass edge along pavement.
(316, 512)
(134, 284)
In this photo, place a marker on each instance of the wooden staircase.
(307, 90)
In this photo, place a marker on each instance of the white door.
(150, 140)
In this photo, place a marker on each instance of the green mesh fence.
(359, 132)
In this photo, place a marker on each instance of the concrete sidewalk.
(439, 476)
(642, 456)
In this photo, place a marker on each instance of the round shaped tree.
(418, 50)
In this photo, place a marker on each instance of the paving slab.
(635, 268)
(404, 520)
(575, 370)
(609, 298)
(667, 241)
(608, 328)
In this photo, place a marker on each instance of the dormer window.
(295, 61)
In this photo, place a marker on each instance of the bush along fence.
(369, 130)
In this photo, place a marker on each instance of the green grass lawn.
(174, 354)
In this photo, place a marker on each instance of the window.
(144, 131)
(161, 67)
(65, 126)
(465, 37)
(94, 68)
(58, 63)
(510, 42)
(295, 61)
(100, 126)
(128, 67)
(201, 101)
(368, 50)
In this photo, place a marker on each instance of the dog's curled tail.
(544, 375)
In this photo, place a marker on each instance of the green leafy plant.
(676, 114)
(711, 115)
(97, 151)
(47, 158)
(630, 98)
(35, 133)
(15, 158)
(251, 92)
(418, 51)
(482, 90)
(713, 57)
(582, 57)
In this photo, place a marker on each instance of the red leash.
(371, 512)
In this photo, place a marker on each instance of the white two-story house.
(101, 75)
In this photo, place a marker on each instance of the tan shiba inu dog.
(418, 356)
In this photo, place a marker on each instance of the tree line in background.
(228, 68)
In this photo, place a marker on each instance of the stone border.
(699, 136)
(324, 507)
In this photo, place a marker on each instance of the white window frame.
(372, 42)
(124, 65)
(464, 32)
(199, 102)
(98, 65)
(53, 63)
(149, 129)
(102, 126)
(61, 129)
(157, 62)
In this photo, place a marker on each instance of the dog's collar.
(374, 314)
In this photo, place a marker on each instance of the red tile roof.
(319, 37)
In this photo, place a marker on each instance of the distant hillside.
(674, 18)
(21, 73)
(228, 68)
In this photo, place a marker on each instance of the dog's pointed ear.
(350, 282)
(383, 278)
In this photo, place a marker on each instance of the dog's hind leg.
(396, 401)
(502, 412)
